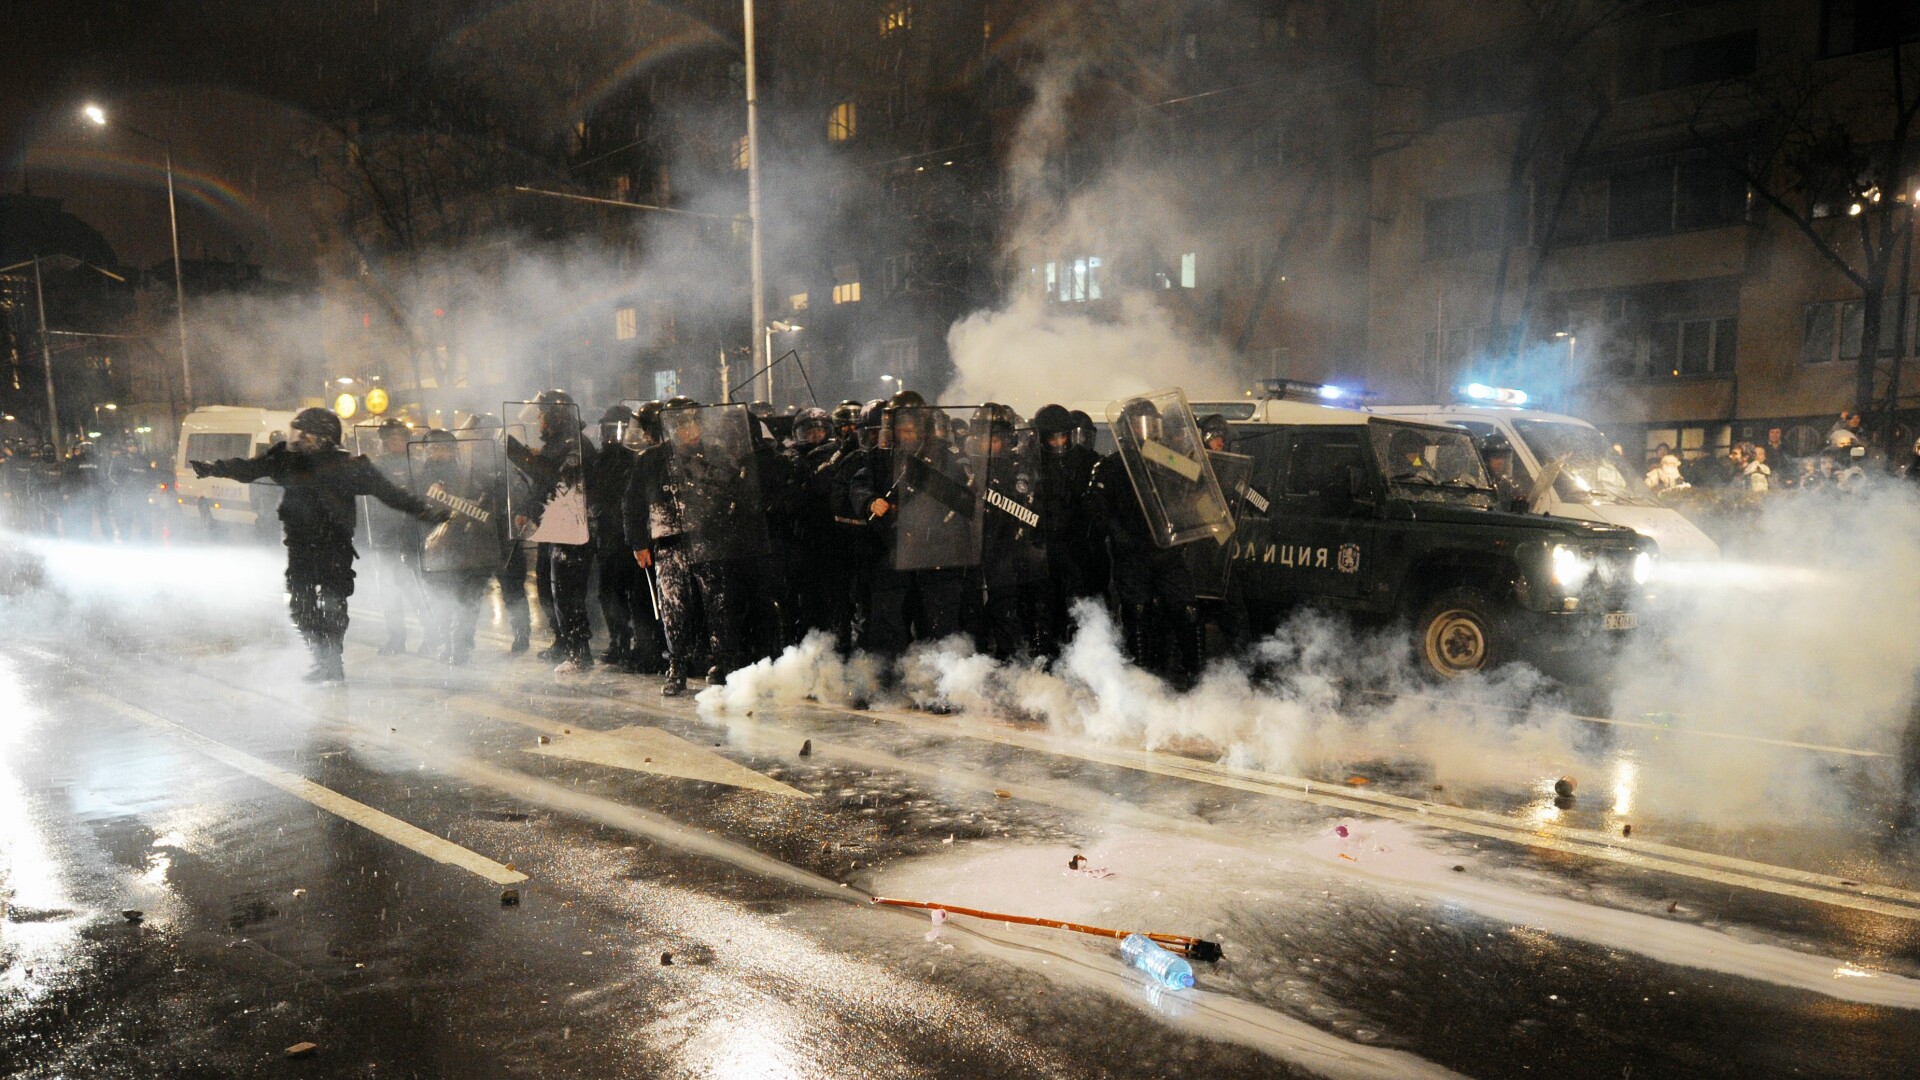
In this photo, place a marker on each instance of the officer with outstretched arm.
(317, 518)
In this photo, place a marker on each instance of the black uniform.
(633, 630)
(317, 520)
(681, 508)
(562, 571)
(921, 604)
(1013, 558)
(1152, 585)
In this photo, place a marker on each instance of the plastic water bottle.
(1168, 970)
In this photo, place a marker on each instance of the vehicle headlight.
(1642, 568)
(1571, 566)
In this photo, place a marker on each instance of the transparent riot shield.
(712, 482)
(469, 478)
(1160, 444)
(384, 528)
(1013, 540)
(1212, 564)
(543, 446)
(938, 491)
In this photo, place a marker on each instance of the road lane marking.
(1884, 900)
(637, 749)
(408, 836)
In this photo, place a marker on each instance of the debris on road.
(1340, 831)
(1458, 869)
(1358, 781)
(1076, 862)
(1564, 786)
(1168, 970)
(666, 959)
(299, 892)
(133, 915)
(1192, 948)
(509, 897)
(806, 748)
(1626, 830)
(544, 740)
(302, 1049)
(1002, 793)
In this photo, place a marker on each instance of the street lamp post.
(753, 195)
(99, 117)
(46, 361)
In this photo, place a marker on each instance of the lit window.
(848, 293)
(1189, 269)
(742, 157)
(797, 302)
(622, 186)
(626, 324)
(1072, 281)
(840, 122)
(895, 16)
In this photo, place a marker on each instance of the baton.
(652, 593)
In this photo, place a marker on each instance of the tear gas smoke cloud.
(1823, 659)
(1129, 217)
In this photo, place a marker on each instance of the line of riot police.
(717, 543)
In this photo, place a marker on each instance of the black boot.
(676, 683)
(1193, 648)
(522, 641)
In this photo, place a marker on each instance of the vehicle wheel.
(1459, 632)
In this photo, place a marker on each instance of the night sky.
(240, 87)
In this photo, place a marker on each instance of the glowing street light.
(98, 117)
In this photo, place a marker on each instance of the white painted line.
(408, 836)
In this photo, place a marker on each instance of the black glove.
(439, 514)
(202, 469)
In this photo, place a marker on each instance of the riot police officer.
(395, 542)
(563, 569)
(320, 481)
(1065, 476)
(1152, 585)
(916, 490)
(690, 509)
(1013, 561)
(619, 576)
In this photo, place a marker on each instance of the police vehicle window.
(212, 446)
(1319, 461)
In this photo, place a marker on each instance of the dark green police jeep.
(1400, 521)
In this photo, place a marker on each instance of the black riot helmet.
(614, 424)
(905, 399)
(680, 419)
(318, 422)
(846, 418)
(1083, 430)
(810, 422)
(1054, 424)
(872, 418)
(1142, 418)
(645, 430)
(1214, 426)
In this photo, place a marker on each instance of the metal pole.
(179, 284)
(753, 195)
(46, 361)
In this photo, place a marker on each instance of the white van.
(1589, 479)
(212, 432)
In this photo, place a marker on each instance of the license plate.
(1617, 620)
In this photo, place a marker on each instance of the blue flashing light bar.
(1495, 395)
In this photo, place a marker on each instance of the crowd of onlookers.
(1842, 462)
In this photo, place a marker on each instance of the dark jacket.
(317, 508)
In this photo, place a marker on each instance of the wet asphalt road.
(328, 866)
